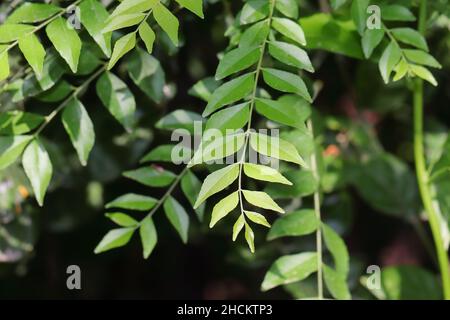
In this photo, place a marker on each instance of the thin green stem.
(423, 178)
(315, 172)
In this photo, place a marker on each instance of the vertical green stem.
(422, 173)
(315, 173)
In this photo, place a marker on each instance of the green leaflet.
(297, 223)
(262, 200)
(32, 12)
(80, 129)
(289, 269)
(264, 173)
(338, 250)
(38, 168)
(336, 283)
(396, 12)
(4, 63)
(133, 6)
(238, 225)
(122, 219)
(286, 82)
(287, 7)
(230, 92)
(289, 29)
(177, 217)
(11, 31)
(151, 176)
(231, 118)
(33, 52)
(190, 185)
(250, 237)
(121, 47)
(411, 37)
(167, 21)
(195, 6)
(285, 113)
(132, 201)
(291, 55)
(254, 10)
(18, 122)
(123, 21)
(167, 153)
(237, 60)
(388, 61)
(255, 35)
(359, 14)
(147, 35)
(179, 119)
(114, 239)
(370, 40)
(217, 181)
(149, 236)
(117, 98)
(224, 207)
(66, 41)
(11, 148)
(257, 218)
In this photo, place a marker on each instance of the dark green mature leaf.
(254, 10)
(80, 129)
(237, 60)
(410, 283)
(18, 122)
(114, 239)
(167, 21)
(396, 12)
(147, 74)
(286, 82)
(32, 12)
(371, 39)
(149, 236)
(255, 35)
(217, 181)
(168, 153)
(177, 217)
(57, 93)
(38, 168)
(179, 119)
(150, 176)
(289, 269)
(190, 185)
(230, 92)
(66, 41)
(224, 207)
(132, 201)
(117, 98)
(284, 113)
(290, 55)
(298, 223)
(411, 37)
(93, 16)
(359, 14)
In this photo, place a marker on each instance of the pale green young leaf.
(255, 35)
(389, 59)
(411, 37)
(237, 60)
(291, 55)
(190, 185)
(422, 58)
(132, 201)
(147, 35)
(80, 129)
(289, 29)
(195, 6)
(177, 217)
(149, 236)
(231, 118)
(167, 21)
(264, 173)
(287, 7)
(223, 208)
(336, 284)
(250, 237)
(151, 177)
(93, 16)
(11, 31)
(33, 51)
(133, 6)
(18, 122)
(370, 40)
(338, 250)
(257, 218)
(66, 41)
(275, 148)
(230, 92)
(261, 200)
(121, 47)
(4, 63)
(297, 223)
(359, 14)
(114, 239)
(401, 69)
(286, 82)
(217, 181)
(38, 168)
(122, 219)
(32, 12)
(123, 21)
(289, 269)
(11, 147)
(238, 225)
(254, 10)
(423, 73)
(117, 98)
